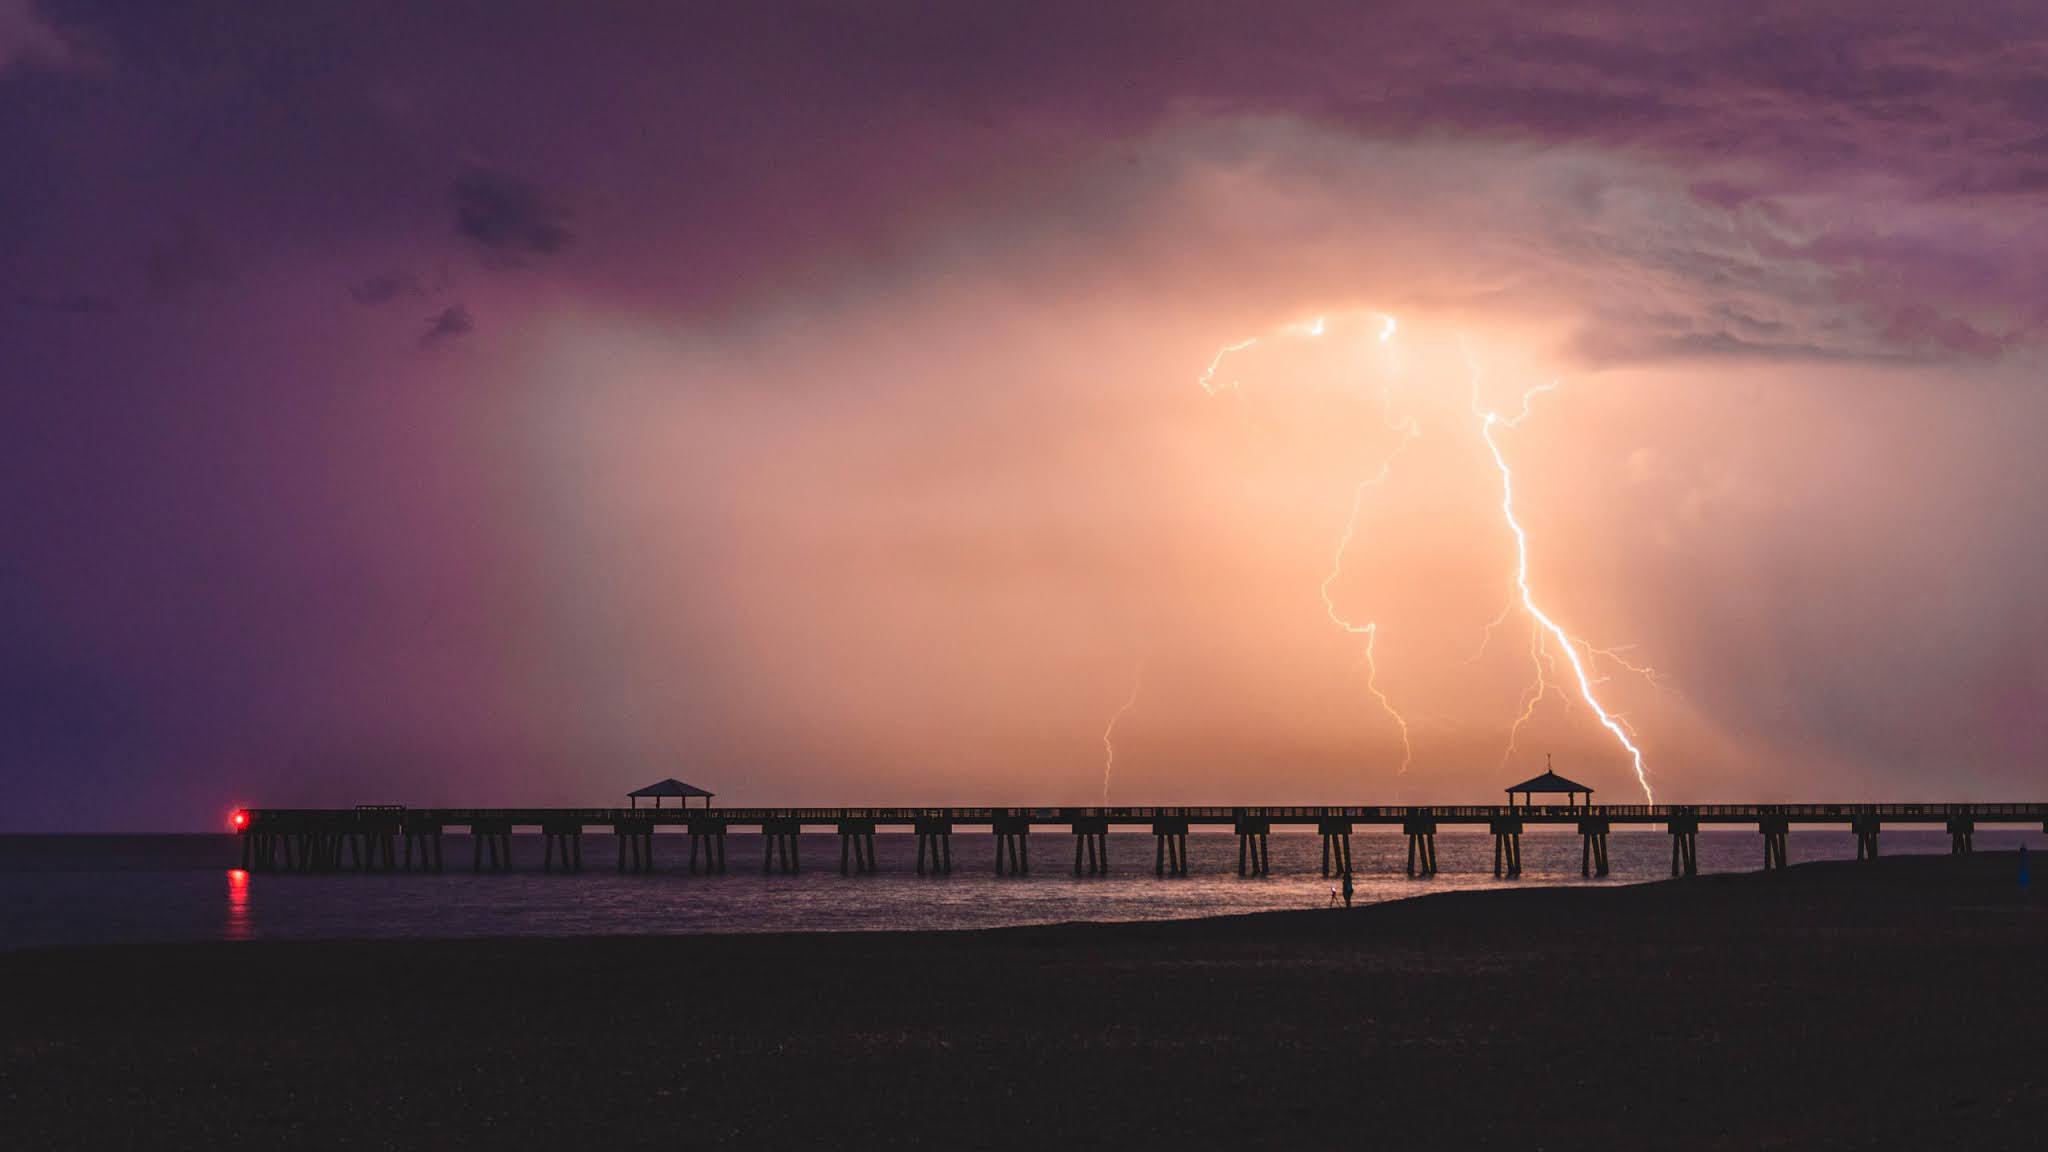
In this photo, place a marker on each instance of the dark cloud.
(1782, 192)
(189, 257)
(76, 303)
(385, 287)
(508, 216)
(450, 323)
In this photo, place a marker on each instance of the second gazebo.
(669, 787)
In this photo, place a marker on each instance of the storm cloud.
(507, 215)
(834, 426)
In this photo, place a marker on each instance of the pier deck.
(366, 837)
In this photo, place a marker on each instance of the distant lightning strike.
(1546, 635)
(1490, 420)
(1544, 627)
(1370, 629)
(1208, 378)
(1109, 732)
(1409, 431)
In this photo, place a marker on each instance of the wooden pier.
(366, 838)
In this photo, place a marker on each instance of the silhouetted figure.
(1333, 896)
(1347, 889)
(2023, 868)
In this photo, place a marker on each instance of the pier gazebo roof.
(1549, 782)
(669, 787)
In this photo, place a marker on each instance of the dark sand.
(1899, 1004)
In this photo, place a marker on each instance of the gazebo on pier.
(1551, 783)
(667, 788)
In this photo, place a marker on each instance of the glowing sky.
(520, 402)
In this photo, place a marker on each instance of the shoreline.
(1893, 1002)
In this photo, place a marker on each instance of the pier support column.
(707, 837)
(564, 843)
(1507, 854)
(1422, 854)
(1421, 845)
(1685, 845)
(1962, 835)
(1016, 847)
(1774, 832)
(1866, 829)
(780, 849)
(857, 842)
(1507, 846)
(636, 845)
(1013, 845)
(934, 847)
(1170, 855)
(490, 847)
(1253, 858)
(1091, 847)
(1336, 847)
(1091, 854)
(1593, 861)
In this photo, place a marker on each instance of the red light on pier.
(240, 819)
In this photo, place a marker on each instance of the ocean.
(78, 890)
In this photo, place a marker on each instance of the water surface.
(100, 889)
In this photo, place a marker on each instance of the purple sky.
(507, 402)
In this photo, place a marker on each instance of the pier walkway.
(368, 837)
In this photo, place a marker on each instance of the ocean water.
(65, 890)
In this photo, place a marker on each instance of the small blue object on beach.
(2023, 865)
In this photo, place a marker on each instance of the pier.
(367, 837)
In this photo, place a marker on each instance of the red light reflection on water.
(238, 904)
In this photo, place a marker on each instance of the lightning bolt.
(1208, 378)
(1531, 696)
(1547, 636)
(1409, 430)
(1489, 421)
(1486, 635)
(1651, 675)
(1370, 629)
(1109, 732)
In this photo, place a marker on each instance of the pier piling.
(1685, 845)
(1421, 845)
(1507, 846)
(1774, 831)
(1593, 861)
(1171, 855)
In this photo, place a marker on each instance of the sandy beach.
(1898, 1004)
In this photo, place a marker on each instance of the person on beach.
(2023, 868)
(1347, 889)
(1333, 896)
